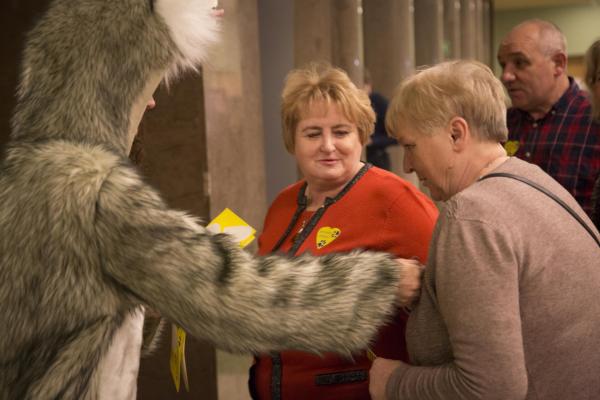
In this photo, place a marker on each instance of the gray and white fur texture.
(85, 243)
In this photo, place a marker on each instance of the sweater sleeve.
(409, 225)
(477, 285)
(220, 293)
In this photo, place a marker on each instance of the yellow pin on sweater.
(326, 235)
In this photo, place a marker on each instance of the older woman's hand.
(379, 375)
(409, 287)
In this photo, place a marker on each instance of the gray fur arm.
(220, 293)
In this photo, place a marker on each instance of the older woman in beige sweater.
(508, 307)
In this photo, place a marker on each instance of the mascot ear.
(193, 28)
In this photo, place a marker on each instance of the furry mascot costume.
(85, 244)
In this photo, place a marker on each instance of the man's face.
(529, 75)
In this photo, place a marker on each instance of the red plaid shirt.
(565, 143)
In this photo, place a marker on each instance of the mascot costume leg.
(85, 243)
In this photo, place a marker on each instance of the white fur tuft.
(193, 29)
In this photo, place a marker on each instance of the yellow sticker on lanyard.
(511, 147)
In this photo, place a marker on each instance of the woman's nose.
(327, 143)
(151, 103)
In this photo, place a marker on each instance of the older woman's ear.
(460, 133)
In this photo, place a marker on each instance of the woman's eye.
(342, 133)
(313, 135)
(409, 146)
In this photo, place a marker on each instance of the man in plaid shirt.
(550, 123)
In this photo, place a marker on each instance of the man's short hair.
(551, 39)
(435, 95)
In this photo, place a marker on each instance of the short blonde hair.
(435, 95)
(322, 82)
(592, 74)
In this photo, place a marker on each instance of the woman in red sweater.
(342, 204)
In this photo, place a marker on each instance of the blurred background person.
(592, 76)
(592, 80)
(508, 304)
(379, 140)
(342, 204)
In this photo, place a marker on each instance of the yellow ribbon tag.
(326, 235)
(511, 147)
(370, 355)
(226, 222)
(177, 360)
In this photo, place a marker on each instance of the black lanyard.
(302, 203)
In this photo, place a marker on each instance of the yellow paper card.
(226, 222)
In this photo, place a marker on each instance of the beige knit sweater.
(509, 307)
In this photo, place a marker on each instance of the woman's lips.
(328, 161)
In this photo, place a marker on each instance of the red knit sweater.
(380, 212)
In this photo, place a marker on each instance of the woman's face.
(596, 92)
(327, 146)
(431, 157)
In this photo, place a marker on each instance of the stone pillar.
(329, 31)
(468, 37)
(389, 42)
(389, 47)
(276, 26)
(233, 116)
(312, 31)
(452, 43)
(479, 38)
(489, 53)
(235, 145)
(348, 38)
(429, 32)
